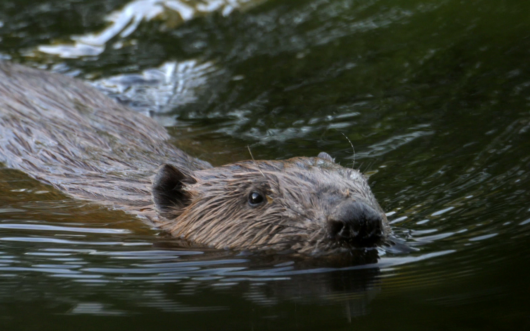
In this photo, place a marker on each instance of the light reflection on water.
(124, 22)
(433, 98)
(90, 254)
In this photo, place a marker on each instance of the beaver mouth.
(346, 235)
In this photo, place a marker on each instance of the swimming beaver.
(65, 133)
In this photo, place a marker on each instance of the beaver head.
(309, 205)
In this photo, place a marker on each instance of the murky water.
(434, 96)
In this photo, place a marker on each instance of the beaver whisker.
(252, 156)
(351, 144)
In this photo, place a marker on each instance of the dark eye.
(255, 199)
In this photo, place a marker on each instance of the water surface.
(434, 97)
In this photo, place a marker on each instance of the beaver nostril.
(356, 223)
(335, 228)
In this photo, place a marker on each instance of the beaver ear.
(325, 156)
(169, 192)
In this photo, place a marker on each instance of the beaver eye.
(255, 199)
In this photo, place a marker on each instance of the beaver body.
(63, 132)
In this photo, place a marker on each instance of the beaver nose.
(356, 223)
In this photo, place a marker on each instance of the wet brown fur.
(65, 133)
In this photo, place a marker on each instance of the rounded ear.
(325, 156)
(169, 191)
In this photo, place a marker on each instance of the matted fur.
(65, 133)
(301, 194)
(71, 136)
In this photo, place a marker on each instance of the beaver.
(63, 132)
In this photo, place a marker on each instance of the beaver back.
(66, 133)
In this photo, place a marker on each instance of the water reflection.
(434, 99)
(156, 92)
(124, 22)
(108, 262)
(114, 260)
(135, 263)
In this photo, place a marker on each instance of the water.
(435, 98)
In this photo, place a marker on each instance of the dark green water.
(434, 96)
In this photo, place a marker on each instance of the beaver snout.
(355, 223)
